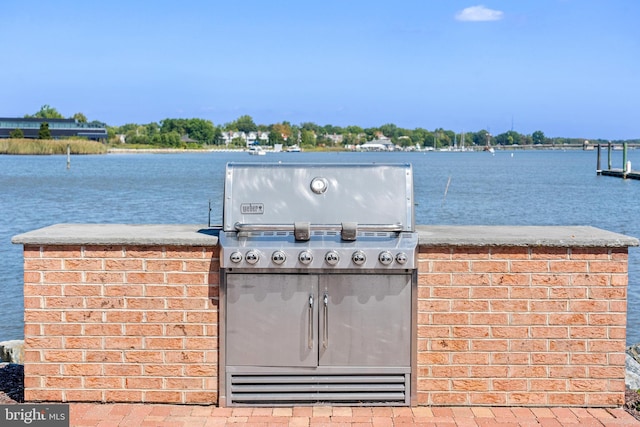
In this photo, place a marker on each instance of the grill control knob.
(252, 257)
(358, 258)
(401, 258)
(332, 258)
(385, 258)
(305, 257)
(278, 257)
(235, 257)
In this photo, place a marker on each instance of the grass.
(50, 146)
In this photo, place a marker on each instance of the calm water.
(526, 188)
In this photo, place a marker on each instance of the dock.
(625, 172)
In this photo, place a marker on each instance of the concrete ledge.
(518, 235)
(432, 235)
(121, 234)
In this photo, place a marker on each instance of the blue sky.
(567, 67)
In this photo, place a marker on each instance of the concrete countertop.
(429, 235)
(519, 235)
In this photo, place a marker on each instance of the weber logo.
(34, 415)
(252, 208)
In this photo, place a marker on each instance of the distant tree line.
(195, 132)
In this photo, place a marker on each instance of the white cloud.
(479, 13)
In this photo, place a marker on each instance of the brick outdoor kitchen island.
(517, 316)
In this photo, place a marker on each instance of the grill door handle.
(310, 344)
(325, 329)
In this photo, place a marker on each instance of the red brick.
(143, 303)
(142, 356)
(529, 266)
(108, 303)
(107, 356)
(435, 253)
(567, 319)
(164, 343)
(490, 293)
(450, 318)
(163, 396)
(470, 253)
(143, 278)
(451, 292)
(608, 293)
(470, 305)
(63, 302)
(192, 343)
(608, 319)
(100, 382)
(83, 264)
(33, 302)
(189, 252)
(165, 316)
(103, 277)
(471, 279)
(529, 292)
(494, 345)
(589, 253)
(123, 290)
(42, 264)
(200, 265)
(122, 343)
(83, 342)
(101, 251)
(529, 344)
(510, 253)
(83, 395)
(44, 316)
(153, 383)
(511, 279)
(529, 319)
(548, 306)
(83, 316)
(32, 277)
(123, 396)
(187, 278)
(187, 304)
(31, 251)
(510, 358)
(433, 305)
(509, 385)
(182, 329)
(607, 267)
(144, 252)
(81, 369)
(82, 290)
(122, 369)
(62, 277)
(103, 329)
(123, 264)
(451, 266)
(164, 290)
(61, 251)
(549, 253)
(449, 345)
(589, 279)
(490, 266)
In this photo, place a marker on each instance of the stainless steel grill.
(318, 279)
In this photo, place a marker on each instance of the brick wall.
(496, 325)
(522, 326)
(131, 324)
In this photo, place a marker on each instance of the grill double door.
(321, 320)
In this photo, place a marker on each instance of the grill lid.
(304, 197)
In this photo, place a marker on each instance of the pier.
(625, 172)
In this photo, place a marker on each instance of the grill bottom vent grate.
(267, 389)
